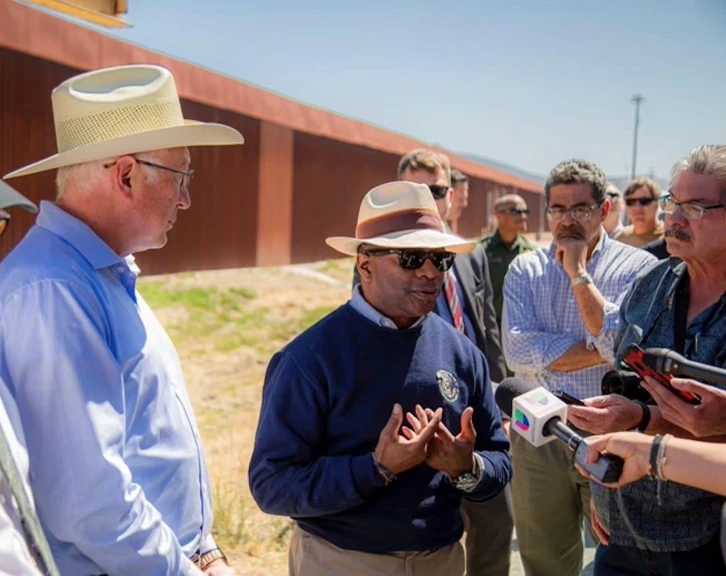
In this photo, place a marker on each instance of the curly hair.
(577, 171)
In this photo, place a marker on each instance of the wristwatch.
(582, 279)
(467, 482)
(201, 561)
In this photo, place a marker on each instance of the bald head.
(508, 201)
(512, 212)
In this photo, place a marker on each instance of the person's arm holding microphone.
(689, 462)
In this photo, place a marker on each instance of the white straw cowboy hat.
(403, 215)
(10, 197)
(122, 110)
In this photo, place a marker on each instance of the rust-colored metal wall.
(330, 179)
(220, 229)
(321, 179)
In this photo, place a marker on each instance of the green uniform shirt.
(500, 256)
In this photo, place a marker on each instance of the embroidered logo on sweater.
(448, 386)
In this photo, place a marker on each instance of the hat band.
(117, 123)
(416, 219)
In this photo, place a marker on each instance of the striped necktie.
(452, 300)
(31, 525)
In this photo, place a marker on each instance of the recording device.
(539, 417)
(625, 383)
(634, 359)
(567, 398)
(669, 362)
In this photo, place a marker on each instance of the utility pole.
(637, 99)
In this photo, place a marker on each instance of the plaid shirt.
(687, 518)
(541, 319)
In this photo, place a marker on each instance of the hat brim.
(422, 239)
(191, 133)
(10, 197)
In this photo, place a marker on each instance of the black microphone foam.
(508, 390)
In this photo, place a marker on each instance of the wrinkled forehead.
(701, 188)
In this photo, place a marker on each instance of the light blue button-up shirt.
(541, 320)
(116, 462)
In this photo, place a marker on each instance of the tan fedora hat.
(400, 214)
(10, 197)
(122, 110)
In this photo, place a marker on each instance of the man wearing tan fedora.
(377, 421)
(116, 462)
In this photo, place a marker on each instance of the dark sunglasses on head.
(639, 201)
(439, 191)
(4, 221)
(613, 195)
(414, 259)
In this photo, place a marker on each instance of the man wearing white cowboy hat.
(116, 462)
(371, 495)
(23, 547)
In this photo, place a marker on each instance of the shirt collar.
(360, 304)
(76, 233)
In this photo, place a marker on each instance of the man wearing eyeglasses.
(559, 326)
(377, 421)
(506, 242)
(678, 304)
(641, 206)
(116, 461)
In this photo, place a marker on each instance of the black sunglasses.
(639, 201)
(439, 191)
(414, 259)
(613, 195)
(517, 211)
(4, 221)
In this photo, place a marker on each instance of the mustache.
(678, 234)
(570, 232)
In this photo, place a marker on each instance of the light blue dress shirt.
(116, 462)
(541, 320)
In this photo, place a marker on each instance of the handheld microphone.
(669, 362)
(539, 417)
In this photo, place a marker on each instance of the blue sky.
(525, 82)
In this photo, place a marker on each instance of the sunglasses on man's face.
(639, 201)
(517, 212)
(4, 221)
(439, 191)
(414, 259)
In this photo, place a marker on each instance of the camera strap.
(681, 315)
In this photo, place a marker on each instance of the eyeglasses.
(187, 176)
(691, 210)
(516, 212)
(439, 191)
(613, 195)
(639, 201)
(578, 213)
(4, 221)
(414, 259)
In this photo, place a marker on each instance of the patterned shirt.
(541, 319)
(686, 518)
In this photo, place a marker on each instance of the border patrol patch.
(448, 386)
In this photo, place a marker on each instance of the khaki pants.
(550, 499)
(313, 556)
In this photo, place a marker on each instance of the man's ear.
(363, 262)
(122, 170)
(606, 206)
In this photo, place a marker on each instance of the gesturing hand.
(447, 453)
(397, 453)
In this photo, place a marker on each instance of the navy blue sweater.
(326, 398)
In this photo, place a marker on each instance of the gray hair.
(577, 171)
(86, 176)
(422, 159)
(709, 160)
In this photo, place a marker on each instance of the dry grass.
(226, 326)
